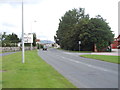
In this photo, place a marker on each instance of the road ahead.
(82, 72)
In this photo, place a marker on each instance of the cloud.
(8, 24)
(19, 1)
(48, 12)
(119, 17)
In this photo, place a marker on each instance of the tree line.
(75, 26)
(12, 40)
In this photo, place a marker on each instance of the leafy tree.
(67, 26)
(75, 26)
(2, 36)
(102, 35)
(9, 40)
(34, 39)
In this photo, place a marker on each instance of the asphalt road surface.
(82, 72)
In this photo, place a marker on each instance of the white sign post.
(28, 38)
(79, 45)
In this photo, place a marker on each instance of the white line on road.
(92, 66)
(88, 65)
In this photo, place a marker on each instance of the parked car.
(44, 47)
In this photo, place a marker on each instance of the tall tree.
(65, 32)
(101, 35)
(75, 26)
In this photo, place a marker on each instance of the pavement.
(115, 52)
(4, 54)
(82, 72)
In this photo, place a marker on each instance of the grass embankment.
(107, 58)
(34, 73)
(75, 51)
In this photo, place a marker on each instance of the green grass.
(34, 73)
(107, 58)
(75, 51)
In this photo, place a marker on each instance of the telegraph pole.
(23, 50)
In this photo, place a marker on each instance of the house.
(116, 43)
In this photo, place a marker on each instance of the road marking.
(89, 65)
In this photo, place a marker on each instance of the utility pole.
(23, 50)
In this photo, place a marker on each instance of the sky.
(42, 16)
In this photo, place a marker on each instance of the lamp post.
(23, 59)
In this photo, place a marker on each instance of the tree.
(101, 35)
(75, 26)
(2, 37)
(95, 31)
(67, 27)
(9, 40)
(34, 39)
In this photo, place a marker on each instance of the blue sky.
(42, 16)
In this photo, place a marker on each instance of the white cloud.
(48, 12)
(10, 19)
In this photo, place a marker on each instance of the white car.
(44, 47)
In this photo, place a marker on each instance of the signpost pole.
(23, 59)
(31, 41)
(31, 46)
(79, 44)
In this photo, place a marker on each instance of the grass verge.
(107, 58)
(34, 73)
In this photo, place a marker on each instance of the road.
(82, 72)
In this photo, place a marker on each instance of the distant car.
(44, 47)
